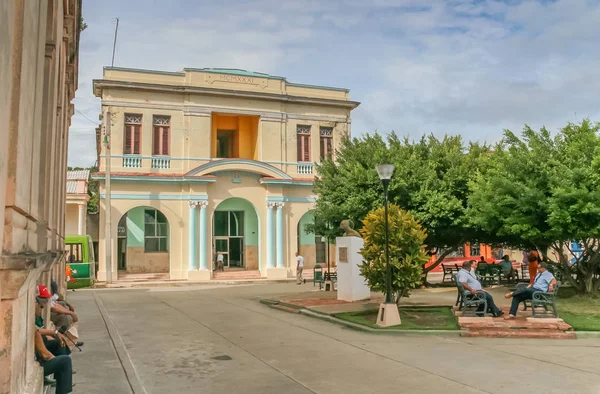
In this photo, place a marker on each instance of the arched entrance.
(143, 241)
(235, 234)
(312, 247)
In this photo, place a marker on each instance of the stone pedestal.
(202, 274)
(277, 273)
(351, 285)
(388, 315)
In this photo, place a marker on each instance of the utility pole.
(107, 204)
(112, 64)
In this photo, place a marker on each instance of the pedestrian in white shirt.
(299, 268)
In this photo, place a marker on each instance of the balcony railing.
(161, 162)
(132, 161)
(305, 168)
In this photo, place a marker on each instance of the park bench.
(449, 271)
(333, 276)
(488, 273)
(541, 299)
(470, 302)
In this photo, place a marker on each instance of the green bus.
(80, 257)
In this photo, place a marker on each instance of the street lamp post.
(388, 312)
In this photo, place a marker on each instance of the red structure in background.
(467, 252)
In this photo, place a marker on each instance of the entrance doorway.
(229, 238)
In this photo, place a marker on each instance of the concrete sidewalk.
(217, 340)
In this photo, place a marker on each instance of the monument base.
(199, 275)
(388, 315)
(277, 273)
(351, 285)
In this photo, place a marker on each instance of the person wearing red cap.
(57, 362)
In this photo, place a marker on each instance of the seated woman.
(544, 281)
(507, 268)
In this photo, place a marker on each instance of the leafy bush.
(407, 251)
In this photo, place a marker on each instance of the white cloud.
(462, 67)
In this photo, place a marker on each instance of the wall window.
(475, 250)
(156, 230)
(133, 134)
(161, 135)
(460, 252)
(303, 133)
(326, 137)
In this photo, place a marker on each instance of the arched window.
(156, 229)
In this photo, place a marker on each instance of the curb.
(587, 334)
(357, 327)
(184, 283)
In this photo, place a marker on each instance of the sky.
(418, 67)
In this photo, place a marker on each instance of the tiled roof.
(78, 174)
(71, 187)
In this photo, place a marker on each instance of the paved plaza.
(220, 339)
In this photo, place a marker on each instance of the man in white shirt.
(470, 282)
(299, 268)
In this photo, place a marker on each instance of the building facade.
(39, 42)
(77, 199)
(209, 162)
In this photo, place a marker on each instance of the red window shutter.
(323, 148)
(165, 140)
(299, 147)
(128, 147)
(329, 142)
(137, 135)
(306, 148)
(156, 140)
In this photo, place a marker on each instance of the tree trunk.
(434, 265)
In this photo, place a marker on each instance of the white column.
(192, 236)
(270, 261)
(279, 236)
(81, 219)
(203, 236)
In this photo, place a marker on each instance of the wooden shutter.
(128, 135)
(306, 148)
(137, 136)
(156, 141)
(165, 140)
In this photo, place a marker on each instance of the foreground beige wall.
(38, 75)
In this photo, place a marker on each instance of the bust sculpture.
(347, 225)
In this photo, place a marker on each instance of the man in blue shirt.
(470, 282)
(544, 281)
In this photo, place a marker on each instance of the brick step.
(141, 277)
(285, 308)
(539, 334)
(516, 324)
(236, 275)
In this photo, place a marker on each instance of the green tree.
(431, 179)
(406, 251)
(543, 190)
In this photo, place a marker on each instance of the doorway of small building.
(235, 235)
(143, 243)
(310, 246)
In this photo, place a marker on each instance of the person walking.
(534, 261)
(299, 268)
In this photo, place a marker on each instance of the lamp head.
(385, 171)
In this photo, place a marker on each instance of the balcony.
(161, 162)
(132, 161)
(304, 168)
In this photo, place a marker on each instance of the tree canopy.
(543, 190)
(431, 179)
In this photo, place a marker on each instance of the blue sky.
(418, 66)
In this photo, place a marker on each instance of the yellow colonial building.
(209, 162)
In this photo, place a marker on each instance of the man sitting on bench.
(544, 281)
(470, 282)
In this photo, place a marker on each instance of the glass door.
(228, 238)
